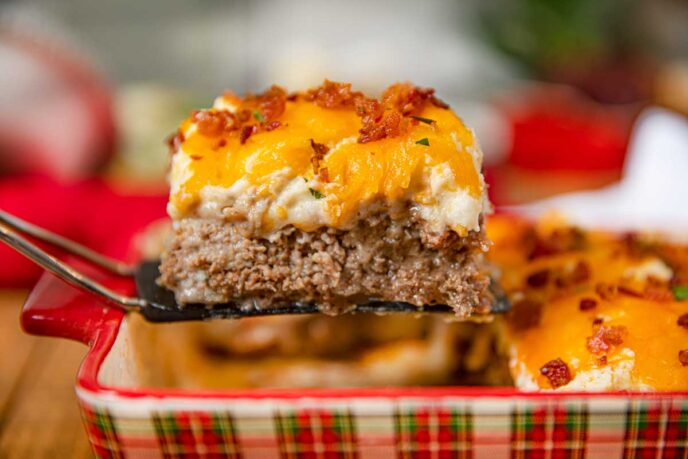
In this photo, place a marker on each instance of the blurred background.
(89, 90)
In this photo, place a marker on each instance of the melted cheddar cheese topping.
(269, 177)
(625, 287)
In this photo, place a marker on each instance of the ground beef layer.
(211, 262)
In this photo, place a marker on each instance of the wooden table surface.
(39, 415)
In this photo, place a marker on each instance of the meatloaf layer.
(210, 261)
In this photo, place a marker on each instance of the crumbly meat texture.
(210, 262)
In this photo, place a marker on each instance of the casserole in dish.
(125, 418)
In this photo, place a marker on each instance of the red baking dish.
(125, 420)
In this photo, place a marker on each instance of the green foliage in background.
(547, 34)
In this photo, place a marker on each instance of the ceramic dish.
(125, 420)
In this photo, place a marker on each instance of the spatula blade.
(162, 306)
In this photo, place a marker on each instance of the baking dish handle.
(11, 229)
(53, 308)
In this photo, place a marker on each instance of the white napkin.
(653, 192)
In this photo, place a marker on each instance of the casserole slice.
(327, 197)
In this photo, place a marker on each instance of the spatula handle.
(64, 271)
(73, 247)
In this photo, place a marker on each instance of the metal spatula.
(158, 304)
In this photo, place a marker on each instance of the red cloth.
(558, 129)
(90, 212)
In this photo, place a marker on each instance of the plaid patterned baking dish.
(123, 420)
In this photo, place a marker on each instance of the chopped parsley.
(316, 194)
(423, 141)
(680, 292)
(305, 179)
(423, 120)
(259, 116)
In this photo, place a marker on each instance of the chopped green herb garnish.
(316, 194)
(305, 179)
(423, 141)
(680, 292)
(423, 120)
(259, 116)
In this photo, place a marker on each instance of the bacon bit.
(389, 117)
(324, 175)
(558, 241)
(291, 97)
(635, 246)
(677, 259)
(525, 314)
(679, 280)
(538, 279)
(319, 152)
(683, 321)
(658, 294)
(409, 99)
(539, 250)
(244, 115)
(371, 113)
(270, 104)
(246, 132)
(579, 274)
(683, 357)
(557, 373)
(221, 143)
(604, 338)
(597, 321)
(266, 106)
(392, 124)
(587, 304)
(212, 123)
(606, 291)
(272, 125)
(382, 118)
(334, 95)
(629, 291)
(602, 361)
(195, 157)
(174, 141)
(320, 149)
(657, 290)
(653, 291)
